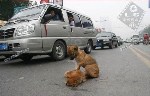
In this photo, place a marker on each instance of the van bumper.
(27, 45)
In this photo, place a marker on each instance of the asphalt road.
(125, 71)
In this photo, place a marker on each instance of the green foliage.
(7, 8)
(145, 30)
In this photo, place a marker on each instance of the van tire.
(58, 51)
(26, 57)
(88, 47)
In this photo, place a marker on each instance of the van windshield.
(33, 12)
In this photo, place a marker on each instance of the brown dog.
(84, 60)
(74, 78)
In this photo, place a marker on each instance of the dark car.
(106, 39)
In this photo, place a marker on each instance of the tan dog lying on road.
(74, 78)
(84, 60)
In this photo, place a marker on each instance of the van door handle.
(64, 27)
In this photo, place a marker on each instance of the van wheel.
(88, 48)
(58, 51)
(26, 57)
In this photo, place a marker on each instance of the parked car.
(135, 39)
(30, 29)
(106, 39)
(120, 40)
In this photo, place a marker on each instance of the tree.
(147, 30)
(6, 9)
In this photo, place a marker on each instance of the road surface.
(125, 71)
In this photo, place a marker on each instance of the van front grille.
(6, 33)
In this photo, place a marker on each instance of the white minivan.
(30, 29)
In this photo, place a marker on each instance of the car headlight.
(24, 30)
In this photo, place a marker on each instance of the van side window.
(74, 20)
(87, 23)
(77, 21)
(71, 19)
(53, 14)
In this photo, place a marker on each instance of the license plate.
(3, 46)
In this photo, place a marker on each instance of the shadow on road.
(34, 61)
(1, 59)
